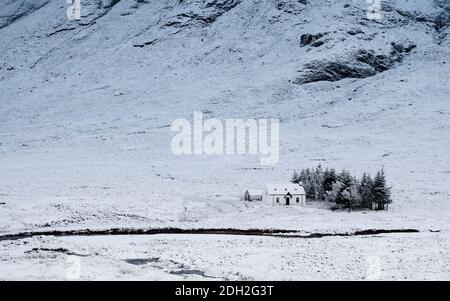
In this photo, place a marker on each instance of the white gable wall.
(280, 190)
(270, 199)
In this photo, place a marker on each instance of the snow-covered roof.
(255, 192)
(283, 188)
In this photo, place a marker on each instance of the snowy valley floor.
(416, 256)
(393, 256)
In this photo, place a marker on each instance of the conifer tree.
(345, 181)
(329, 178)
(308, 184)
(295, 177)
(365, 190)
(318, 183)
(380, 192)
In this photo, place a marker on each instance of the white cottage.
(285, 194)
(253, 195)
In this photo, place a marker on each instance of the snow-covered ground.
(85, 114)
(168, 257)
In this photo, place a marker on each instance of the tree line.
(343, 189)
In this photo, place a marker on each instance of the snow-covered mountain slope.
(86, 106)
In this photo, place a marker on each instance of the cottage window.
(298, 200)
(278, 200)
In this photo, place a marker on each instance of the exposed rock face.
(312, 39)
(291, 7)
(14, 10)
(361, 64)
(206, 13)
(355, 31)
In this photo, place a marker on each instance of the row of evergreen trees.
(344, 189)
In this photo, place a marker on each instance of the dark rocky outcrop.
(312, 39)
(442, 21)
(291, 7)
(149, 43)
(206, 13)
(13, 10)
(355, 31)
(360, 64)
